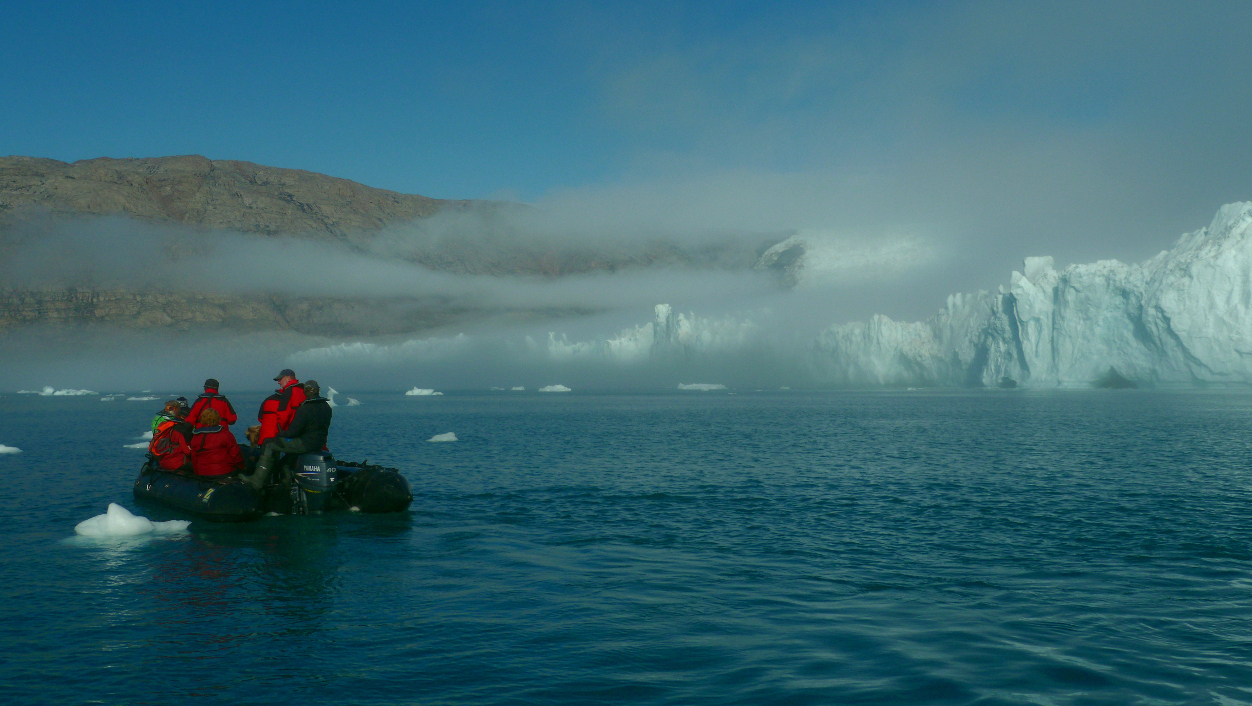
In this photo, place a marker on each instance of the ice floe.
(119, 522)
(147, 398)
(450, 436)
(52, 392)
(702, 386)
(354, 402)
(519, 388)
(555, 388)
(422, 392)
(9, 449)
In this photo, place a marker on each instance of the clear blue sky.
(451, 99)
(1079, 124)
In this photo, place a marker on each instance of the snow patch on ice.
(702, 386)
(450, 436)
(422, 392)
(119, 522)
(9, 449)
(555, 388)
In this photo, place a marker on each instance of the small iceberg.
(443, 437)
(422, 392)
(354, 402)
(148, 398)
(497, 388)
(555, 388)
(519, 388)
(702, 386)
(9, 449)
(46, 392)
(119, 522)
(147, 436)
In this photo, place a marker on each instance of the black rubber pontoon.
(310, 483)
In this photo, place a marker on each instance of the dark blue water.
(670, 549)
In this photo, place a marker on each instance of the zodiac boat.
(313, 483)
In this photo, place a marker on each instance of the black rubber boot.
(258, 477)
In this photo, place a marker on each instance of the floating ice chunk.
(9, 449)
(497, 388)
(519, 388)
(354, 402)
(555, 388)
(53, 392)
(450, 436)
(140, 445)
(784, 387)
(354, 508)
(118, 522)
(146, 435)
(140, 399)
(702, 386)
(330, 396)
(422, 392)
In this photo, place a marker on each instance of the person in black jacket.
(306, 434)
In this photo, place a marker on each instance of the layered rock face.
(1184, 316)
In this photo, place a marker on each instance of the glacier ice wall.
(1184, 316)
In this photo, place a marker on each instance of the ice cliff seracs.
(1184, 316)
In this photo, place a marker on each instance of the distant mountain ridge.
(38, 196)
(195, 190)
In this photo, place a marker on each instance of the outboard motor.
(315, 478)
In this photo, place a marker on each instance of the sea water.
(677, 548)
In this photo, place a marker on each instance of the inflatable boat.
(309, 483)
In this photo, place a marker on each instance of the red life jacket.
(214, 451)
(290, 396)
(169, 446)
(212, 400)
(268, 417)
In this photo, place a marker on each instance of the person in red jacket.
(212, 400)
(268, 417)
(214, 451)
(290, 396)
(169, 443)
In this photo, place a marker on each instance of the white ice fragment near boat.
(702, 386)
(450, 436)
(1183, 316)
(9, 449)
(422, 392)
(140, 445)
(119, 522)
(555, 388)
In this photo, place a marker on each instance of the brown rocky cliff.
(238, 196)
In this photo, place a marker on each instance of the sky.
(965, 135)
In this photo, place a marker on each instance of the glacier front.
(1184, 316)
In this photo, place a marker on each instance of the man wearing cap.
(212, 400)
(307, 434)
(290, 396)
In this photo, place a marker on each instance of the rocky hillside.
(238, 196)
(38, 196)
